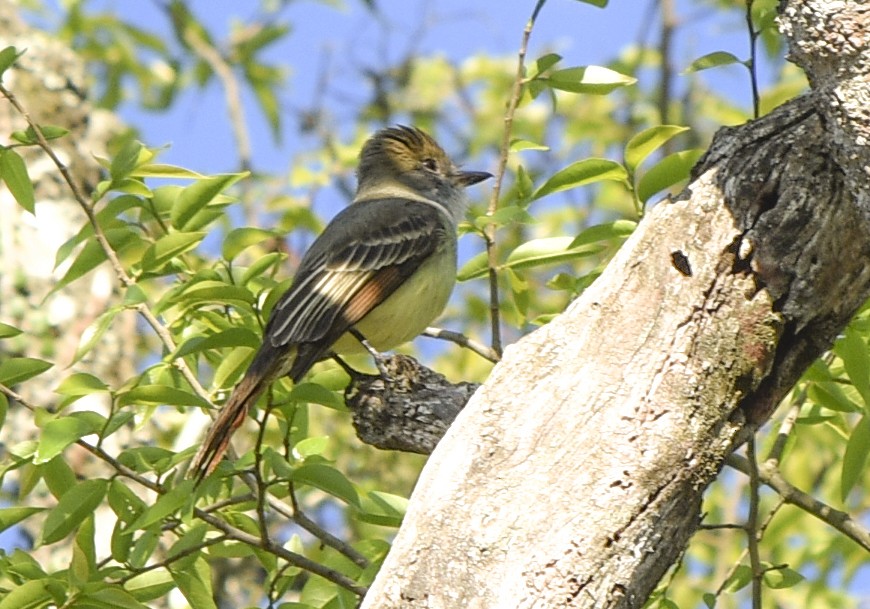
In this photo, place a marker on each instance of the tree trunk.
(574, 476)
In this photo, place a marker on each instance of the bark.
(574, 476)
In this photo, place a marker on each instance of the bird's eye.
(430, 164)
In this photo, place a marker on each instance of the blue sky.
(352, 39)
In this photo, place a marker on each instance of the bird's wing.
(361, 257)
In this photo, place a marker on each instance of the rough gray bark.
(574, 476)
(411, 411)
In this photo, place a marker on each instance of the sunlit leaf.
(327, 479)
(670, 170)
(240, 239)
(856, 457)
(13, 171)
(548, 250)
(199, 194)
(647, 141)
(587, 171)
(15, 370)
(712, 60)
(76, 504)
(595, 80)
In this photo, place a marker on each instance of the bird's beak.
(469, 178)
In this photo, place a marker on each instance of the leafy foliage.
(203, 280)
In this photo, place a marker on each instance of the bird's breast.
(410, 309)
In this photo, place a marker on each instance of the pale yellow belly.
(408, 310)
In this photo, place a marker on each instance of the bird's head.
(401, 160)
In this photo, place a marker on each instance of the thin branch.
(770, 475)
(168, 342)
(298, 560)
(489, 230)
(669, 23)
(122, 275)
(752, 531)
(463, 341)
(753, 58)
(224, 72)
(175, 557)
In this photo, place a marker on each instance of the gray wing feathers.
(399, 233)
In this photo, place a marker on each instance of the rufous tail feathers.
(230, 418)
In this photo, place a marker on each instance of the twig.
(167, 340)
(669, 22)
(233, 96)
(753, 57)
(489, 229)
(770, 475)
(293, 558)
(125, 279)
(752, 532)
(463, 341)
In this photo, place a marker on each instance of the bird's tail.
(230, 418)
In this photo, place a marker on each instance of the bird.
(380, 272)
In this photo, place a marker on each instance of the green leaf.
(195, 584)
(475, 268)
(94, 332)
(580, 173)
(7, 331)
(58, 475)
(240, 239)
(132, 153)
(93, 254)
(596, 80)
(670, 170)
(510, 214)
(517, 145)
(161, 394)
(311, 446)
(31, 594)
(108, 596)
(831, 395)
(11, 516)
(855, 457)
(13, 171)
(618, 229)
(647, 141)
(260, 266)
(712, 60)
(7, 58)
(187, 545)
(546, 61)
(327, 479)
(168, 247)
(783, 577)
(598, 3)
(199, 194)
(57, 434)
(81, 384)
(150, 585)
(549, 250)
(383, 509)
(216, 292)
(49, 132)
(159, 170)
(739, 579)
(229, 338)
(74, 506)
(317, 394)
(168, 503)
(16, 370)
(856, 360)
(4, 408)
